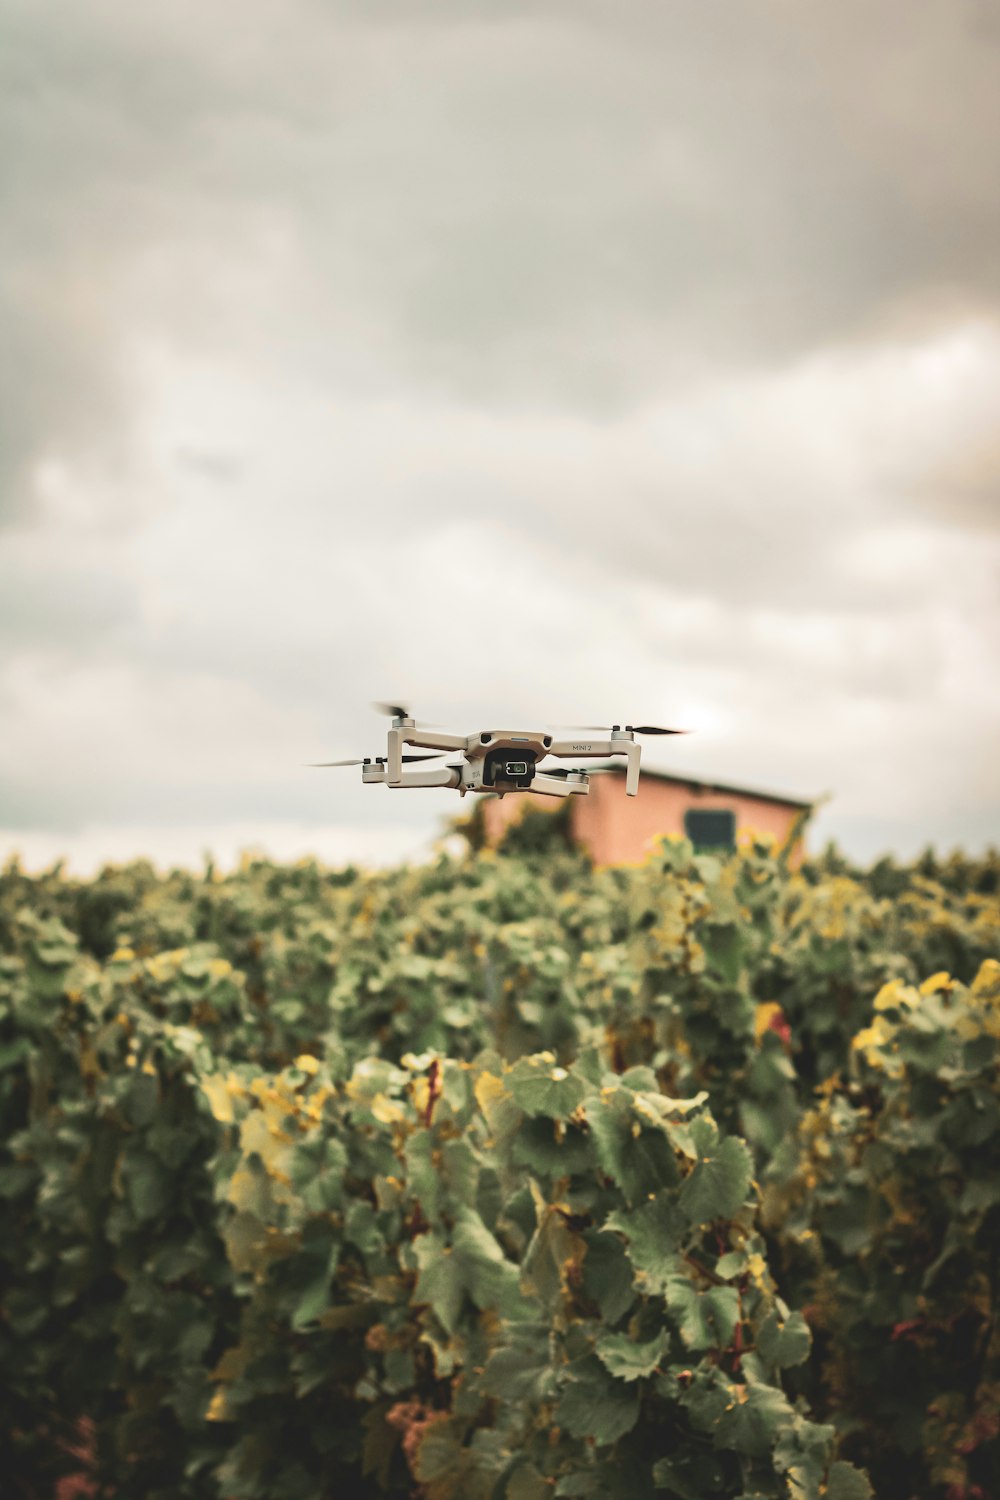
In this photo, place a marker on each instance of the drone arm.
(394, 757)
(578, 748)
(429, 741)
(633, 751)
(443, 776)
(555, 786)
(404, 735)
(617, 745)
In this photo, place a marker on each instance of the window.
(715, 829)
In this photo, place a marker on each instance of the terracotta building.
(620, 830)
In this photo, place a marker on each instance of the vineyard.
(503, 1178)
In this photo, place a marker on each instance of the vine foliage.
(502, 1177)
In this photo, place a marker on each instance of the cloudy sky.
(533, 362)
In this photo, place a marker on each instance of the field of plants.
(503, 1178)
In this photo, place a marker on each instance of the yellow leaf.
(890, 997)
(387, 1111)
(941, 981)
(307, 1064)
(757, 1268)
(986, 984)
(232, 1364)
(265, 1137)
(218, 1408)
(490, 1095)
(243, 1191)
(219, 1099)
(420, 1093)
(872, 1042)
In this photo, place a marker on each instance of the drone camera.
(500, 768)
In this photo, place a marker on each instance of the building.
(617, 829)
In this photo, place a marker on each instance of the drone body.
(500, 760)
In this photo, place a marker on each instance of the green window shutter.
(710, 829)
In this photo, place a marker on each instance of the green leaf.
(802, 1453)
(538, 1147)
(461, 1169)
(422, 1175)
(438, 1284)
(523, 1371)
(625, 1359)
(312, 1302)
(540, 1087)
(717, 1187)
(147, 1184)
(489, 1277)
(582, 1484)
(784, 1343)
(634, 1150)
(706, 1319)
(723, 945)
(607, 1275)
(690, 1476)
(752, 1425)
(845, 1482)
(142, 1099)
(553, 1251)
(639, 1080)
(12, 1054)
(653, 1232)
(361, 1228)
(593, 1405)
(526, 1483)
(502, 1115)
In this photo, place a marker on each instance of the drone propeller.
(399, 711)
(633, 728)
(371, 760)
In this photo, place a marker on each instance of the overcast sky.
(535, 362)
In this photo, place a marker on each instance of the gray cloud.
(57, 603)
(342, 332)
(966, 487)
(563, 206)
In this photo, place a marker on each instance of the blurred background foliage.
(503, 1176)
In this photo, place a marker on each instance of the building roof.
(696, 784)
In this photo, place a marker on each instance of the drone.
(499, 761)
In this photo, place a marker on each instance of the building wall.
(620, 830)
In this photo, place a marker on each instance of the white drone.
(499, 760)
